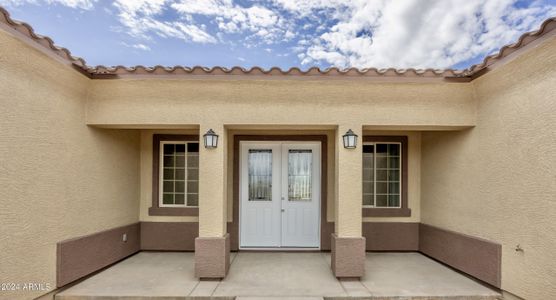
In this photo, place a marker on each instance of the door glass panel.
(300, 168)
(260, 175)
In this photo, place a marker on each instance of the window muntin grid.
(179, 174)
(382, 175)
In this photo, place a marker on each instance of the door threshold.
(280, 249)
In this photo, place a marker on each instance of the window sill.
(173, 211)
(386, 212)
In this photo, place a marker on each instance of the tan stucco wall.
(212, 184)
(498, 180)
(277, 102)
(59, 179)
(349, 185)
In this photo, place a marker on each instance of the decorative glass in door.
(300, 168)
(260, 175)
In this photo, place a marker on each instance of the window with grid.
(179, 174)
(382, 174)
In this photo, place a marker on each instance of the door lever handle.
(283, 210)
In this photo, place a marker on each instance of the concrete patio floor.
(278, 275)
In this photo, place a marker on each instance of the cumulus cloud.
(415, 33)
(140, 17)
(342, 33)
(229, 17)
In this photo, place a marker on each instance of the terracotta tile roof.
(275, 71)
(44, 41)
(547, 29)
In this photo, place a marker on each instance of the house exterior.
(99, 163)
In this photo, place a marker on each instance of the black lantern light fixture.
(211, 139)
(350, 140)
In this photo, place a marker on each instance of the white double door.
(280, 195)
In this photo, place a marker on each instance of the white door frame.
(316, 147)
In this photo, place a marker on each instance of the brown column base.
(348, 257)
(212, 257)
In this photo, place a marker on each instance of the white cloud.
(343, 33)
(141, 47)
(140, 19)
(143, 7)
(81, 4)
(307, 7)
(233, 18)
(137, 46)
(414, 33)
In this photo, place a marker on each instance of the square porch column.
(348, 244)
(212, 247)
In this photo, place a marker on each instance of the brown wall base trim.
(84, 255)
(173, 211)
(326, 231)
(169, 236)
(477, 257)
(234, 236)
(392, 236)
(386, 212)
(81, 256)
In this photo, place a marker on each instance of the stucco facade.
(76, 159)
(244, 101)
(497, 180)
(59, 179)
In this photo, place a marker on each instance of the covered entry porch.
(329, 214)
(255, 275)
(191, 199)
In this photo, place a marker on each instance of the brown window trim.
(404, 210)
(155, 209)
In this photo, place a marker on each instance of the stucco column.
(348, 244)
(212, 247)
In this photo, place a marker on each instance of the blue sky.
(283, 33)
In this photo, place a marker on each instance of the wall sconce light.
(350, 140)
(211, 139)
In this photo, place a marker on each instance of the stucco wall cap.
(112, 72)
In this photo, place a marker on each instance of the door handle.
(283, 210)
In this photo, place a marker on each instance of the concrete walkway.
(273, 275)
